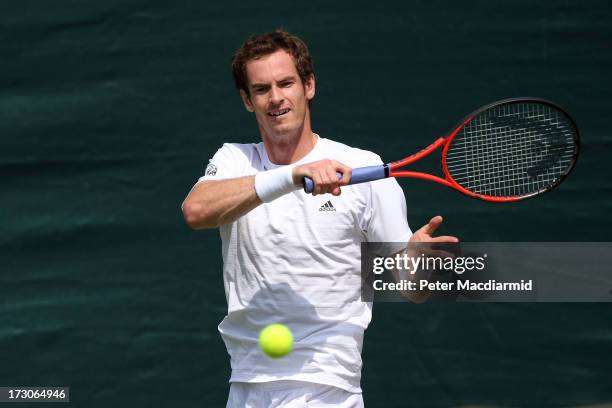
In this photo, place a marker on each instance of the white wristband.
(271, 184)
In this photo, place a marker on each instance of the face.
(278, 97)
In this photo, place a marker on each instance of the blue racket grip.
(360, 175)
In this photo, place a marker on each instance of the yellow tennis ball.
(276, 340)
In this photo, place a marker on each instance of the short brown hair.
(261, 45)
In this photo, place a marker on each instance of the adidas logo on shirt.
(328, 206)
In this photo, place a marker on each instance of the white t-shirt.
(296, 261)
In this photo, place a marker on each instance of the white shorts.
(290, 394)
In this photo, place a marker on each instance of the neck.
(289, 148)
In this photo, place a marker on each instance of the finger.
(438, 253)
(325, 182)
(316, 178)
(445, 239)
(346, 171)
(333, 177)
(433, 224)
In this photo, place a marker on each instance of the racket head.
(511, 150)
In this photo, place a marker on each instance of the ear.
(309, 87)
(247, 101)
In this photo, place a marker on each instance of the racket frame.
(391, 169)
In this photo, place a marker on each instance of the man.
(290, 257)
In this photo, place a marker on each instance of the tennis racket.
(505, 151)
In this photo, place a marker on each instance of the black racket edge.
(527, 99)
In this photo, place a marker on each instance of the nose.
(276, 95)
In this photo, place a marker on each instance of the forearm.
(413, 275)
(415, 295)
(213, 203)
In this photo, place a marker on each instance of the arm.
(213, 203)
(424, 235)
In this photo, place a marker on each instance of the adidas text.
(328, 206)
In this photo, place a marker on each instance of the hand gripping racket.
(506, 151)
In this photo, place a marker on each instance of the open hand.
(425, 233)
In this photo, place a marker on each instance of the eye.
(286, 84)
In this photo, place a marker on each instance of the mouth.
(279, 112)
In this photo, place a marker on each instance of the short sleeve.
(385, 219)
(226, 163)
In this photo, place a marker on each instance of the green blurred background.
(110, 111)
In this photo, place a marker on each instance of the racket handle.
(360, 175)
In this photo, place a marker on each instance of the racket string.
(512, 149)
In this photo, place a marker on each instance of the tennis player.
(291, 257)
